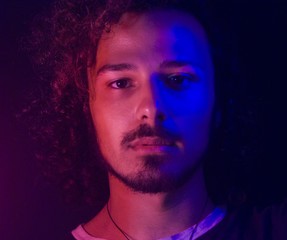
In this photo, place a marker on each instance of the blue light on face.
(187, 89)
(185, 92)
(195, 91)
(191, 46)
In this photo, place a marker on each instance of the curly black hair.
(63, 46)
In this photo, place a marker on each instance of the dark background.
(32, 209)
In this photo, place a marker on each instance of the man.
(151, 99)
(150, 93)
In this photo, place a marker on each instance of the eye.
(121, 83)
(179, 81)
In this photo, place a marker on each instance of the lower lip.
(154, 148)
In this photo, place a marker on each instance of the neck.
(153, 216)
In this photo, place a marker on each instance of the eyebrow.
(115, 67)
(175, 64)
(127, 66)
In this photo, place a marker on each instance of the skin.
(153, 69)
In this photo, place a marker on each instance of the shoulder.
(273, 217)
(252, 223)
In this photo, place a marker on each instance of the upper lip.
(151, 141)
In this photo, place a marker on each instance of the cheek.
(195, 137)
(110, 121)
(194, 106)
(193, 120)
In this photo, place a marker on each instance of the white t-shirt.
(205, 225)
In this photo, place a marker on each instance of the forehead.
(151, 35)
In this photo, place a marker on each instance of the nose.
(150, 107)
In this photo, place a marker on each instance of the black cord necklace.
(116, 225)
(127, 237)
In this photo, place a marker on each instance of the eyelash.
(166, 78)
(185, 80)
(122, 80)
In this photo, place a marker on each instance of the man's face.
(151, 99)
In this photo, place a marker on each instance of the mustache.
(144, 130)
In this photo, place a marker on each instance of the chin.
(156, 176)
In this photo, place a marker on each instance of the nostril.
(150, 108)
(160, 116)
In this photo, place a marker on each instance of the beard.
(152, 179)
(156, 173)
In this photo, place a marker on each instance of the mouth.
(152, 144)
